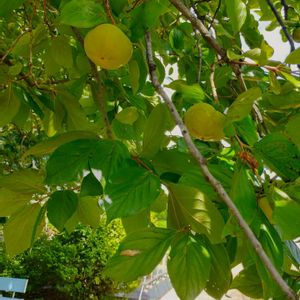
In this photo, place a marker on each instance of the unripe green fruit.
(296, 34)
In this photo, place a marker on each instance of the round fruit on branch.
(204, 122)
(108, 47)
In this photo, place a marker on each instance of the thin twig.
(215, 14)
(109, 12)
(212, 83)
(279, 20)
(98, 89)
(200, 27)
(199, 50)
(12, 46)
(285, 9)
(209, 177)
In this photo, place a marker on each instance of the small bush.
(68, 266)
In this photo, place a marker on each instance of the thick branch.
(209, 177)
(97, 89)
(200, 27)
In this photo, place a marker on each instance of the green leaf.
(6, 6)
(248, 282)
(246, 130)
(61, 52)
(196, 210)
(109, 156)
(146, 16)
(49, 145)
(293, 57)
(88, 212)
(194, 177)
(69, 160)
(237, 14)
(90, 186)
(188, 266)
(22, 228)
(61, 206)
(272, 244)
(24, 181)
(137, 221)
(11, 202)
(292, 129)
(172, 161)
(75, 115)
(242, 106)
(243, 195)
(139, 253)
(193, 92)
(292, 79)
(154, 134)
(9, 106)
(131, 190)
(220, 272)
(294, 252)
(82, 13)
(134, 72)
(286, 217)
(176, 38)
(283, 101)
(280, 155)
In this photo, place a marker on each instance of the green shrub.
(68, 266)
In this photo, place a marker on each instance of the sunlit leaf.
(197, 211)
(22, 229)
(237, 13)
(83, 14)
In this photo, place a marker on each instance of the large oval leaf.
(237, 14)
(22, 228)
(139, 253)
(188, 266)
(196, 210)
(130, 191)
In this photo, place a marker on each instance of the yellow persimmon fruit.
(204, 122)
(107, 46)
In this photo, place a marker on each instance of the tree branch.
(98, 89)
(200, 27)
(109, 12)
(209, 177)
(199, 50)
(285, 9)
(279, 20)
(215, 14)
(212, 83)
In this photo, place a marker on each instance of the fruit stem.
(109, 12)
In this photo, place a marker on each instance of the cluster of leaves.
(68, 266)
(52, 90)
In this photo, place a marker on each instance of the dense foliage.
(68, 266)
(79, 141)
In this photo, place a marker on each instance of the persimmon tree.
(80, 142)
